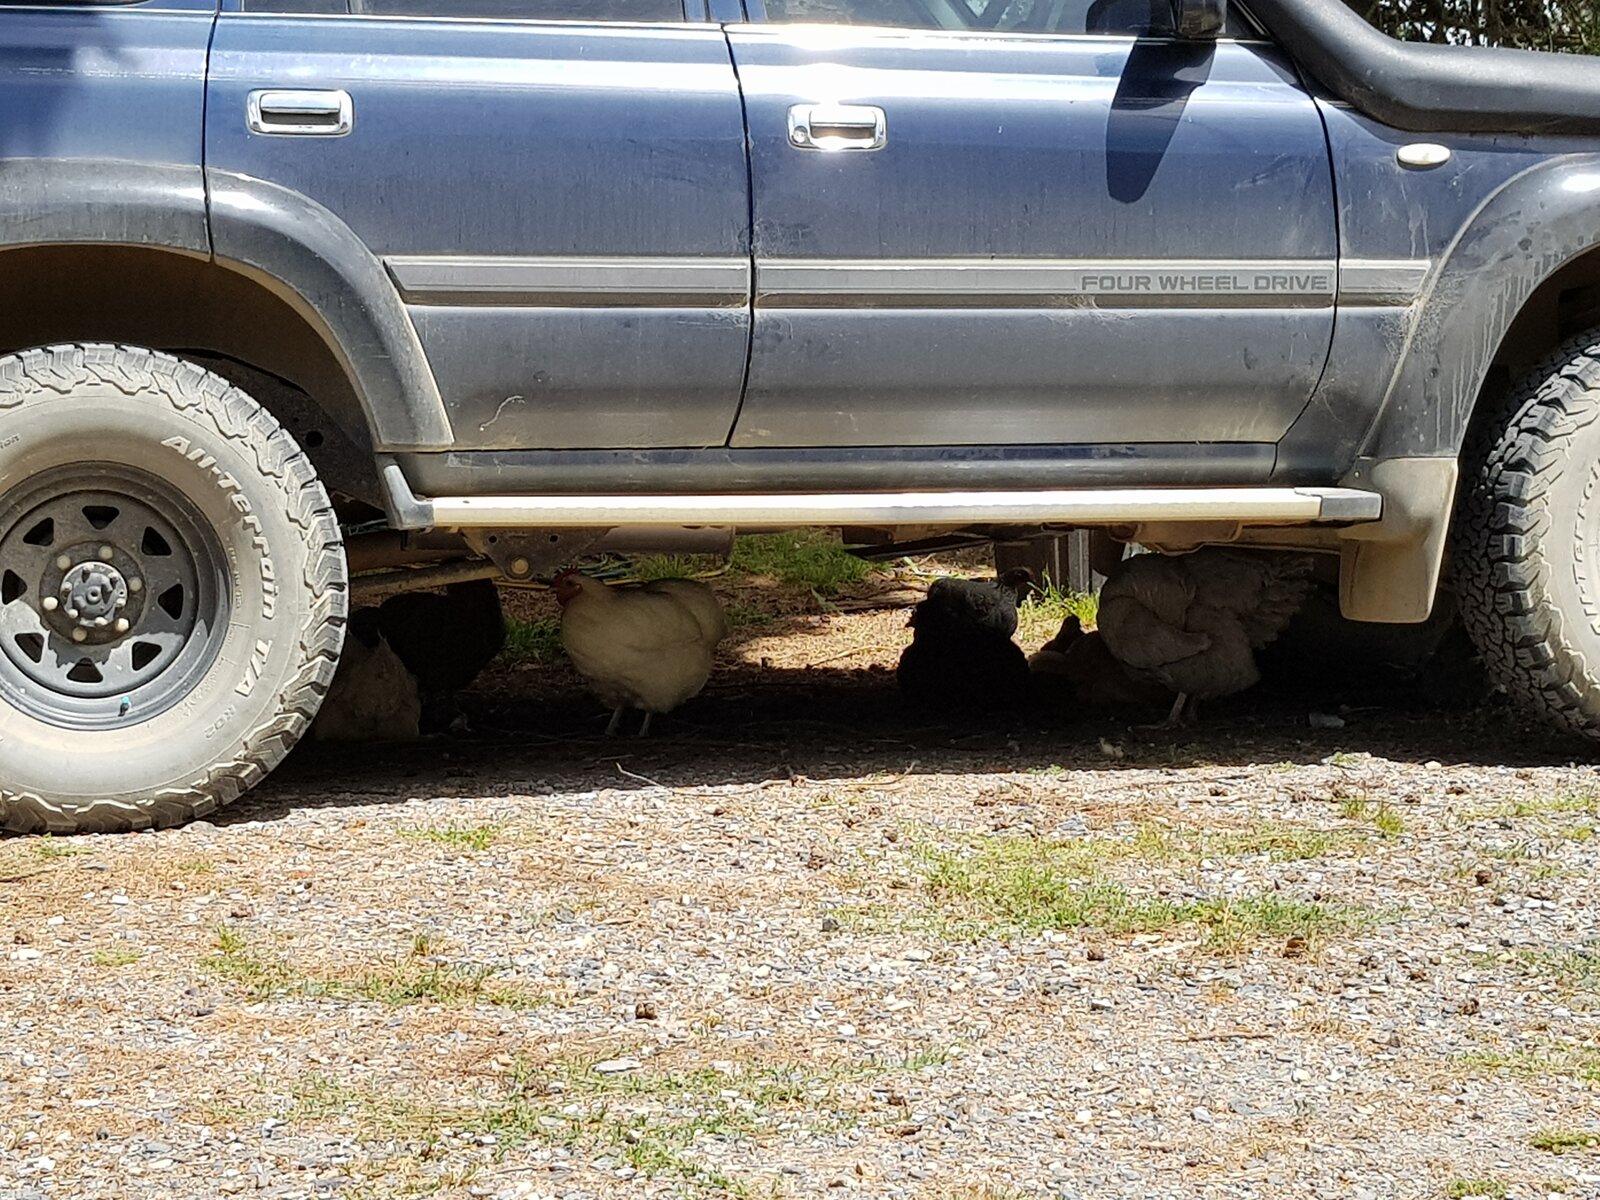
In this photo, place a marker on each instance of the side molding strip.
(428, 279)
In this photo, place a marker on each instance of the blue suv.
(495, 283)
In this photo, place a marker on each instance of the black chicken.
(961, 653)
(444, 639)
(1194, 622)
(989, 603)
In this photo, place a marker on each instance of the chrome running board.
(1077, 506)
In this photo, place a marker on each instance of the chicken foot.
(1185, 712)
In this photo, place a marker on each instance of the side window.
(1119, 18)
(484, 10)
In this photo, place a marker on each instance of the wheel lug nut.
(73, 613)
(101, 622)
(122, 625)
(51, 604)
(106, 551)
(78, 635)
(135, 585)
(63, 562)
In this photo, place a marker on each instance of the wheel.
(1526, 541)
(172, 591)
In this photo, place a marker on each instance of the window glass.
(499, 10)
(1109, 17)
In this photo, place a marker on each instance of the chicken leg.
(616, 721)
(1185, 711)
(644, 730)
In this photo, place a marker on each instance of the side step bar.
(1086, 506)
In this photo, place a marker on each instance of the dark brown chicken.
(1193, 622)
(1078, 667)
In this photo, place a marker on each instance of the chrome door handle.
(837, 127)
(320, 113)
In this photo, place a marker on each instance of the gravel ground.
(798, 945)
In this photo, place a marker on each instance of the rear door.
(1028, 221)
(557, 186)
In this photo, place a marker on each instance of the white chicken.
(1193, 622)
(648, 646)
(373, 698)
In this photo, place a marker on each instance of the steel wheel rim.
(113, 597)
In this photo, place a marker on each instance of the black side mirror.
(1201, 20)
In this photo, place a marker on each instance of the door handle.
(320, 113)
(831, 127)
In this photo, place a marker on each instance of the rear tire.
(1526, 552)
(172, 591)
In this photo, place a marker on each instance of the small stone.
(1470, 1007)
(616, 1066)
(1202, 1114)
(847, 1031)
(830, 925)
(1095, 954)
(1296, 947)
(25, 955)
(1483, 877)
(644, 1011)
(1300, 1075)
(119, 900)
(1100, 1004)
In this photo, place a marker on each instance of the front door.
(1047, 222)
(558, 188)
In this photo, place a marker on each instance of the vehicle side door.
(1029, 222)
(557, 187)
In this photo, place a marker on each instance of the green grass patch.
(535, 641)
(48, 847)
(997, 884)
(1552, 1059)
(406, 980)
(1460, 1189)
(1388, 822)
(747, 616)
(1572, 970)
(462, 837)
(1564, 1141)
(806, 558)
(116, 956)
(1040, 615)
(1565, 804)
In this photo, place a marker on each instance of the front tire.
(1526, 554)
(172, 591)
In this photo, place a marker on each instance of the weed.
(1577, 969)
(1041, 615)
(536, 641)
(1388, 822)
(1551, 1059)
(407, 980)
(1460, 1189)
(466, 837)
(806, 558)
(116, 956)
(1031, 886)
(746, 616)
(1560, 1141)
(49, 847)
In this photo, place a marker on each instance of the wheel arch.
(234, 268)
(1512, 283)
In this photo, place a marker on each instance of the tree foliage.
(1570, 25)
